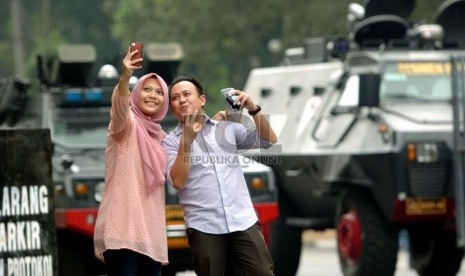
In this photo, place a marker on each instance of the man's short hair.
(192, 80)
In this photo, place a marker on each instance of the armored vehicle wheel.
(367, 245)
(434, 251)
(286, 241)
(286, 244)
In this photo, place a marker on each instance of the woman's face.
(151, 97)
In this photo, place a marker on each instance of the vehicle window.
(349, 96)
(416, 81)
(80, 127)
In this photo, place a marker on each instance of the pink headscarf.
(150, 134)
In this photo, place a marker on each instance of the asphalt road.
(319, 258)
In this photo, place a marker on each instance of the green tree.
(65, 22)
(223, 40)
(219, 38)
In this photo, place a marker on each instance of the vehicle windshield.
(84, 128)
(169, 123)
(416, 81)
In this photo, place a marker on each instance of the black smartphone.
(230, 98)
(139, 46)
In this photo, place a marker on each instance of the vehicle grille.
(428, 180)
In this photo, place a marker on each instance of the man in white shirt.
(204, 167)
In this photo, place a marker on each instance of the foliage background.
(222, 40)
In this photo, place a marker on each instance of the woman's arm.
(127, 71)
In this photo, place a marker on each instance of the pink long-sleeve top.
(129, 217)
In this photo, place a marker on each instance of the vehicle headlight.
(81, 189)
(98, 193)
(88, 189)
(258, 187)
(423, 152)
(258, 183)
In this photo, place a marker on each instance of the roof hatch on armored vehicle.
(75, 63)
(450, 15)
(379, 29)
(163, 58)
(402, 8)
(382, 21)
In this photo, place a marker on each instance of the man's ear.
(203, 99)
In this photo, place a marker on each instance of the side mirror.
(66, 161)
(368, 93)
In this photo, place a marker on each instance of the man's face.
(185, 99)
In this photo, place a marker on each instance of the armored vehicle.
(367, 140)
(75, 106)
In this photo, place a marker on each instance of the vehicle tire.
(367, 244)
(70, 262)
(286, 241)
(75, 255)
(434, 251)
(168, 271)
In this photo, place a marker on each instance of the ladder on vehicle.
(458, 102)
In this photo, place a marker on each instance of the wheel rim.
(349, 236)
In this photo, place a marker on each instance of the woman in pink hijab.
(130, 231)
